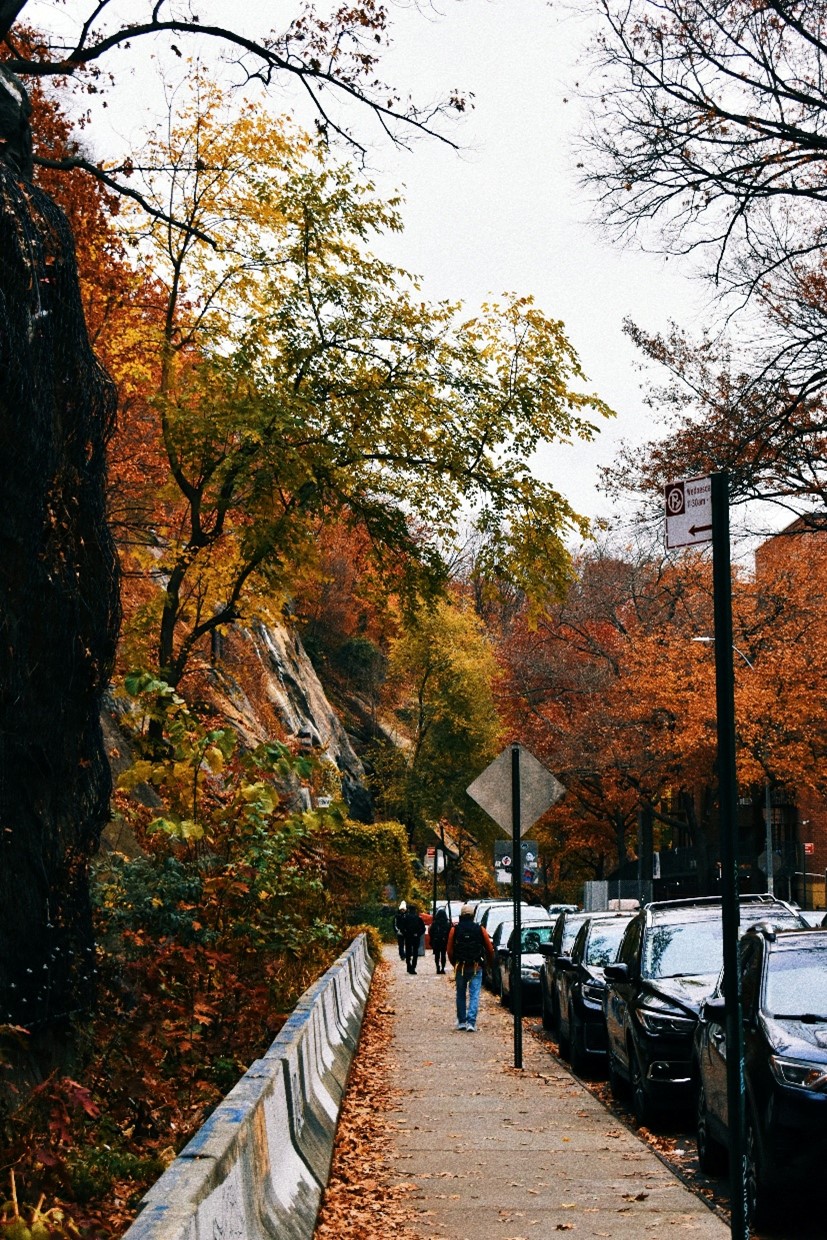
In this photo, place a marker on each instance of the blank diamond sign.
(539, 789)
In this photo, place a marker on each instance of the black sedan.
(533, 937)
(785, 1065)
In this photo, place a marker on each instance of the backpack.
(469, 947)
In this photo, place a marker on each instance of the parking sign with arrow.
(688, 506)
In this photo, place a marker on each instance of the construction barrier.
(258, 1167)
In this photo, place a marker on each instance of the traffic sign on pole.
(515, 790)
(539, 789)
(688, 506)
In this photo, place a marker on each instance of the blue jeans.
(469, 984)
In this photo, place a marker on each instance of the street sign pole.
(728, 808)
(516, 790)
(516, 891)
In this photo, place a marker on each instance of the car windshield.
(534, 936)
(683, 949)
(797, 983)
(570, 928)
(777, 914)
(604, 941)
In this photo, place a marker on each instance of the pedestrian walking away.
(413, 928)
(440, 929)
(397, 928)
(468, 947)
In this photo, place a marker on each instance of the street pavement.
(500, 1154)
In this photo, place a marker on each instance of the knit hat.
(402, 904)
(467, 910)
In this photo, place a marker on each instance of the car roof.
(613, 915)
(705, 908)
(782, 939)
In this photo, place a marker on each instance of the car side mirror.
(564, 963)
(547, 950)
(503, 951)
(617, 972)
(715, 1009)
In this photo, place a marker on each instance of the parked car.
(667, 965)
(784, 978)
(814, 916)
(494, 920)
(562, 941)
(532, 936)
(451, 907)
(484, 905)
(580, 984)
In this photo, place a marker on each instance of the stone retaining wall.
(260, 1163)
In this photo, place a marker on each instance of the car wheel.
(577, 1042)
(712, 1156)
(564, 1039)
(642, 1105)
(548, 1022)
(758, 1184)
(617, 1083)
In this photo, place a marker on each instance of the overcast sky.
(504, 214)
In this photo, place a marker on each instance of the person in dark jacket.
(440, 929)
(413, 928)
(468, 946)
(397, 928)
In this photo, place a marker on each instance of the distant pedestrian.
(397, 928)
(468, 946)
(440, 929)
(413, 928)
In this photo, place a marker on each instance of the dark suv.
(580, 986)
(667, 965)
(785, 1064)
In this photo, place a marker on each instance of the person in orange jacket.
(468, 946)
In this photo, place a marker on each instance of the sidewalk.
(503, 1155)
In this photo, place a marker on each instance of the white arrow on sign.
(539, 789)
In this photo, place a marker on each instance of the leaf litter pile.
(360, 1200)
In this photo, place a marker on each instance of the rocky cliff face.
(263, 684)
(286, 680)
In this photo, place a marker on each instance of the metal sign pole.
(728, 808)
(516, 891)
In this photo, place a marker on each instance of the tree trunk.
(59, 611)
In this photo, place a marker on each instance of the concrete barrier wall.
(259, 1165)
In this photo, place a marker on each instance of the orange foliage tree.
(615, 691)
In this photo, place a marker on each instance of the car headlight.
(593, 992)
(530, 973)
(799, 1074)
(661, 1020)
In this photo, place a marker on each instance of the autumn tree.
(711, 123)
(304, 380)
(564, 684)
(440, 682)
(60, 601)
(615, 689)
(709, 141)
